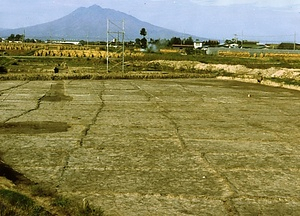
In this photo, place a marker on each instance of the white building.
(198, 45)
(234, 46)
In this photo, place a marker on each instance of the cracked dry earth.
(158, 147)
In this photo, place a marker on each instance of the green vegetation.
(33, 61)
(252, 62)
(286, 81)
(143, 42)
(37, 190)
(288, 46)
(138, 66)
(69, 207)
(28, 198)
(14, 203)
(17, 37)
(3, 70)
(42, 68)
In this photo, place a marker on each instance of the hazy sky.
(197, 17)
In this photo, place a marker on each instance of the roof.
(182, 46)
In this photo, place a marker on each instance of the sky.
(216, 19)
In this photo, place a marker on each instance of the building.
(234, 46)
(182, 46)
(198, 45)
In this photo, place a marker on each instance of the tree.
(288, 46)
(233, 41)
(189, 41)
(143, 32)
(11, 37)
(144, 43)
(17, 37)
(83, 42)
(28, 40)
(174, 40)
(214, 43)
(138, 41)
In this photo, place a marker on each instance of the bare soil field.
(157, 147)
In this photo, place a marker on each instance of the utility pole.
(107, 47)
(113, 36)
(242, 40)
(87, 40)
(236, 38)
(123, 45)
(295, 35)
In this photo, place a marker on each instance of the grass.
(69, 207)
(286, 81)
(37, 190)
(251, 62)
(117, 75)
(15, 198)
(28, 198)
(16, 203)
(143, 66)
(42, 68)
(28, 49)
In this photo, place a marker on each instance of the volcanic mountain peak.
(91, 23)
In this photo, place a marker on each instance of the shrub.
(70, 207)
(5, 211)
(3, 70)
(17, 199)
(14, 203)
(61, 201)
(37, 190)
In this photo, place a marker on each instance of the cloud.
(20, 13)
(197, 17)
(291, 5)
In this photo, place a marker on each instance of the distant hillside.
(91, 24)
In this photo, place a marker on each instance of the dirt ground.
(157, 147)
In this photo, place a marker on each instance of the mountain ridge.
(90, 23)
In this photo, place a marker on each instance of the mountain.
(91, 24)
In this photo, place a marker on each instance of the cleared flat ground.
(158, 147)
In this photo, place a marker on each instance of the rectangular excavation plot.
(266, 207)
(39, 158)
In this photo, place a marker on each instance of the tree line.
(142, 42)
(21, 37)
(16, 37)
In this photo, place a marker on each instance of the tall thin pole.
(123, 51)
(116, 41)
(295, 41)
(107, 46)
(242, 39)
